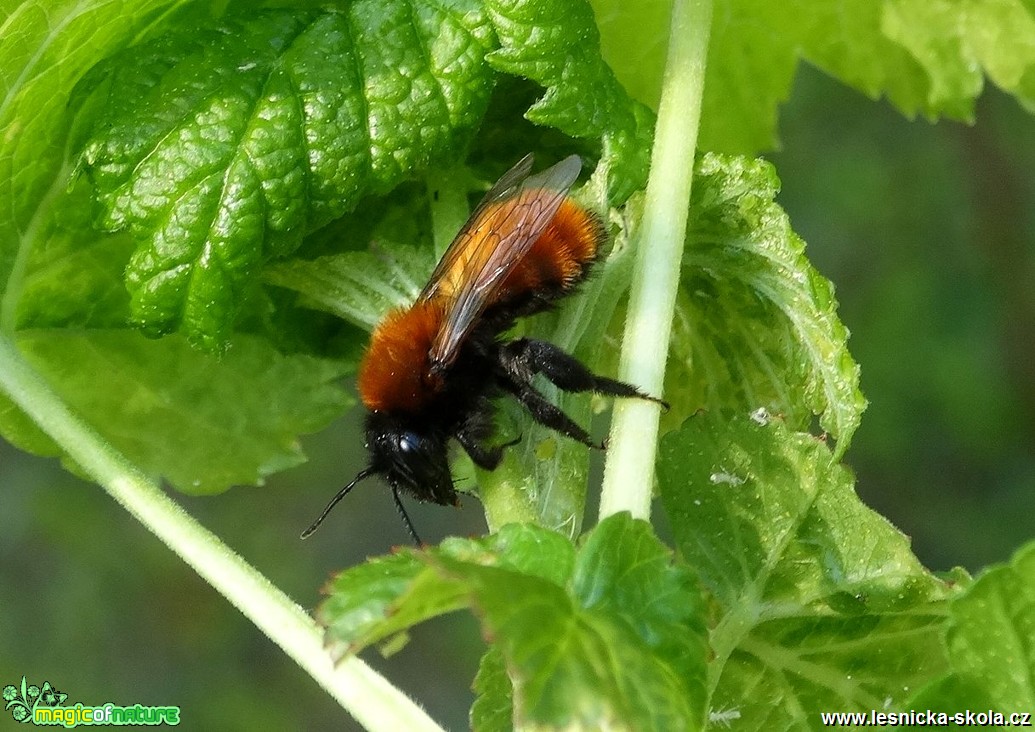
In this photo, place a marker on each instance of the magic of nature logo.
(45, 705)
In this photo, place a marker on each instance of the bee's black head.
(410, 457)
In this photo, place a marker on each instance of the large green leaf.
(756, 325)
(202, 422)
(46, 49)
(820, 604)
(220, 146)
(556, 44)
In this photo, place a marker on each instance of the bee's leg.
(542, 411)
(475, 435)
(528, 357)
(486, 458)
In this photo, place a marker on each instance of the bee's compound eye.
(409, 442)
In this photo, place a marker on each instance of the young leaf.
(219, 147)
(991, 642)
(374, 601)
(756, 325)
(612, 635)
(821, 605)
(377, 600)
(359, 287)
(493, 708)
(556, 44)
(202, 422)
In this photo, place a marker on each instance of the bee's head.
(410, 457)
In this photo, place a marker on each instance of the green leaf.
(850, 42)
(202, 422)
(384, 596)
(623, 569)
(72, 276)
(46, 49)
(493, 708)
(820, 603)
(756, 326)
(219, 147)
(954, 42)
(359, 287)
(612, 635)
(752, 55)
(377, 600)
(925, 56)
(634, 42)
(575, 659)
(991, 643)
(556, 44)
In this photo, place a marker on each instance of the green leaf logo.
(21, 702)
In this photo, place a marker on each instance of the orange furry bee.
(432, 370)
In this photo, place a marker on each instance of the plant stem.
(628, 474)
(369, 697)
(506, 492)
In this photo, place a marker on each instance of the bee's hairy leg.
(542, 411)
(527, 357)
(486, 458)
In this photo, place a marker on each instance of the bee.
(433, 370)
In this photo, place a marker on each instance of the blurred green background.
(926, 232)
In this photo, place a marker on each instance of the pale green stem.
(629, 472)
(369, 697)
(507, 492)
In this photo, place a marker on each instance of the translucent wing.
(458, 248)
(494, 240)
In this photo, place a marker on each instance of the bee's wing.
(500, 232)
(506, 186)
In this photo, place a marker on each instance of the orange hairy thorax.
(394, 375)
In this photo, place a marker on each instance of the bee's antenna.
(364, 473)
(406, 518)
